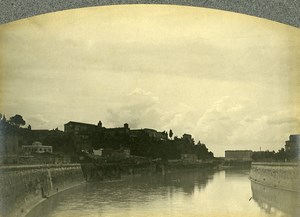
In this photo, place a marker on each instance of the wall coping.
(38, 166)
(275, 164)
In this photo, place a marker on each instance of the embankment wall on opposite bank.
(23, 186)
(277, 175)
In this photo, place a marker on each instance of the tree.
(202, 151)
(29, 127)
(280, 155)
(17, 120)
(2, 118)
(171, 134)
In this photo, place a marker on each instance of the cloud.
(283, 118)
(139, 108)
(229, 123)
(219, 121)
(229, 92)
(142, 109)
(38, 120)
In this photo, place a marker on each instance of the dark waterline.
(189, 193)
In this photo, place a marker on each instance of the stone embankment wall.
(21, 187)
(277, 175)
(268, 198)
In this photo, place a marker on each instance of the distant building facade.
(292, 146)
(188, 137)
(77, 127)
(116, 154)
(117, 131)
(149, 132)
(238, 155)
(36, 147)
(189, 157)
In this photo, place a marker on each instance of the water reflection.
(232, 174)
(273, 200)
(131, 192)
(189, 193)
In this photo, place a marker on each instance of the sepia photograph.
(149, 111)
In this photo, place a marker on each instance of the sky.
(230, 80)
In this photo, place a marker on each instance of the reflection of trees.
(133, 190)
(190, 180)
(172, 182)
(270, 199)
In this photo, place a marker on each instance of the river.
(188, 193)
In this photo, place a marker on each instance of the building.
(238, 155)
(292, 146)
(149, 132)
(84, 135)
(188, 138)
(189, 157)
(117, 131)
(98, 152)
(116, 154)
(77, 127)
(36, 147)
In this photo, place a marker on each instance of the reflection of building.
(292, 146)
(272, 200)
(238, 155)
(36, 147)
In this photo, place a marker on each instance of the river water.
(189, 193)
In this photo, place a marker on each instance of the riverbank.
(181, 193)
(29, 209)
(23, 187)
(181, 165)
(269, 198)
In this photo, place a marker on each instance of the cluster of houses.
(82, 128)
(24, 143)
(81, 134)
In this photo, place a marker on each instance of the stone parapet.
(277, 175)
(23, 186)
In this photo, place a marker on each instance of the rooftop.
(80, 123)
